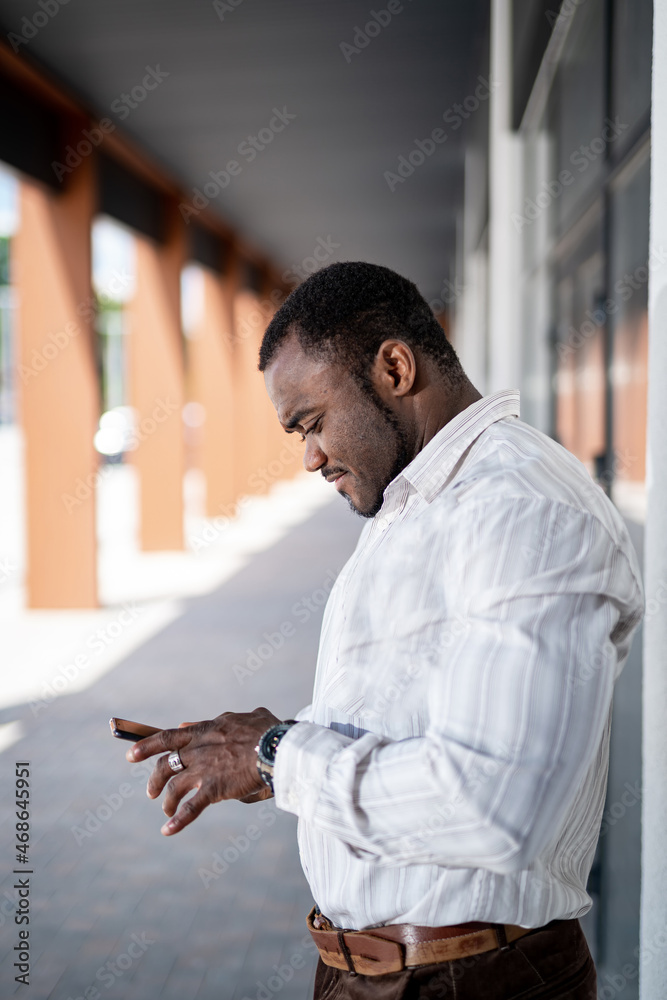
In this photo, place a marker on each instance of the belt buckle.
(374, 956)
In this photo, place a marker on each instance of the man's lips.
(339, 480)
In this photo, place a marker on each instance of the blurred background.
(169, 172)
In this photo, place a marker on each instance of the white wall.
(653, 955)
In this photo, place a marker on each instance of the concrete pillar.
(535, 319)
(504, 197)
(59, 401)
(469, 292)
(211, 384)
(156, 377)
(653, 930)
(471, 317)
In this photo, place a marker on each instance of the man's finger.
(159, 777)
(188, 812)
(180, 786)
(166, 739)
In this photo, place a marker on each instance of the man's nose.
(314, 458)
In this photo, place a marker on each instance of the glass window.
(629, 321)
(579, 108)
(631, 75)
(580, 423)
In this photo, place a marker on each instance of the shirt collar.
(429, 470)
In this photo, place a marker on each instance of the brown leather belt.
(379, 950)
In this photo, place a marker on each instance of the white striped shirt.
(453, 763)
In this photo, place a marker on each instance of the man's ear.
(395, 368)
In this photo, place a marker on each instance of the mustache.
(330, 470)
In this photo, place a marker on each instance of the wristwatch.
(267, 747)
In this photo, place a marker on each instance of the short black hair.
(346, 310)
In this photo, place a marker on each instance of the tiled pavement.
(117, 910)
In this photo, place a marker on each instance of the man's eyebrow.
(297, 418)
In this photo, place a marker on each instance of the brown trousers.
(552, 963)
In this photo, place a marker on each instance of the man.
(449, 776)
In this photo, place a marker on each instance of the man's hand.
(219, 761)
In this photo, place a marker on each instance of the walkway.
(217, 912)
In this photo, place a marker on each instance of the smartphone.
(123, 729)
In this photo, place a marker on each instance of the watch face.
(266, 750)
(268, 744)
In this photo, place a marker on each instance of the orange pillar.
(285, 451)
(251, 438)
(156, 373)
(59, 390)
(265, 453)
(211, 384)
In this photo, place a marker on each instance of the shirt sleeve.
(520, 685)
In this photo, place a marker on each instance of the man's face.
(352, 437)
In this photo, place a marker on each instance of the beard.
(392, 436)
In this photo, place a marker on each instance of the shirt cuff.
(303, 756)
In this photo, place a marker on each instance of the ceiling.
(226, 65)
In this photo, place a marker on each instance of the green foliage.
(4, 260)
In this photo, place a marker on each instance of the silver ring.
(175, 762)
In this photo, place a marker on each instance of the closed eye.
(317, 426)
